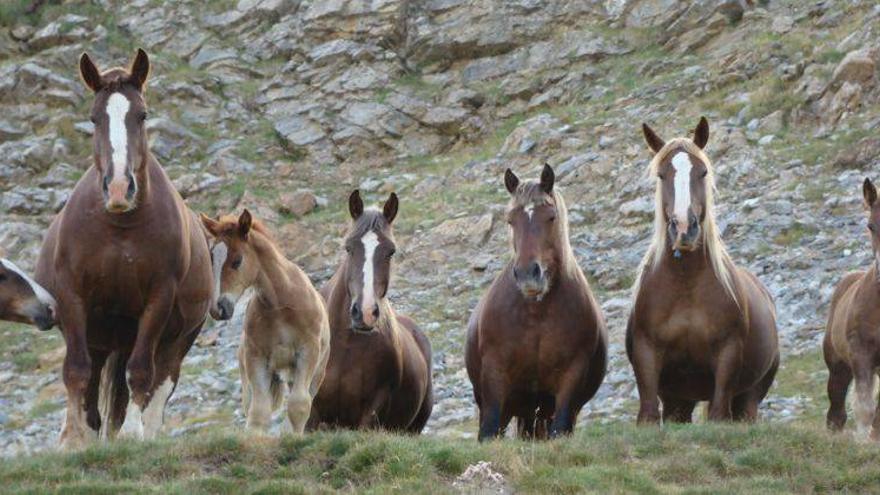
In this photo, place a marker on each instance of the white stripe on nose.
(682, 164)
(41, 293)
(117, 109)
(218, 255)
(370, 241)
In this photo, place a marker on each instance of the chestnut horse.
(536, 344)
(701, 328)
(852, 340)
(379, 373)
(22, 300)
(130, 267)
(286, 337)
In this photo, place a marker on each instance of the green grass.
(599, 459)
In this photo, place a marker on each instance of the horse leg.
(565, 404)
(864, 406)
(727, 364)
(677, 410)
(525, 426)
(259, 377)
(299, 400)
(141, 366)
(839, 379)
(245, 383)
(76, 372)
(493, 396)
(745, 405)
(93, 415)
(647, 364)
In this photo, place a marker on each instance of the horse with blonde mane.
(536, 346)
(23, 300)
(286, 337)
(701, 328)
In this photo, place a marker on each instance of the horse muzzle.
(119, 194)
(223, 310)
(531, 281)
(364, 322)
(41, 315)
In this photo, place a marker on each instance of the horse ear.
(389, 210)
(213, 226)
(654, 141)
(547, 179)
(89, 73)
(355, 204)
(701, 133)
(869, 192)
(244, 224)
(140, 69)
(511, 181)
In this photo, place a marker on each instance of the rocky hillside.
(284, 106)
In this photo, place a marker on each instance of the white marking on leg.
(41, 293)
(154, 414)
(117, 109)
(133, 425)
(682, 164)
(218, 256)
(370, 241)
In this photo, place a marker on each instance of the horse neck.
(273, 280)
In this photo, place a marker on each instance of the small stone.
(299, 203)
(765, 140)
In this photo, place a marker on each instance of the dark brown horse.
(536, 344)
(701, 328)
(23, 300)
(852, 336)
(379, 373)
(130, 268)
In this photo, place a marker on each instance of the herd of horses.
(129, 274)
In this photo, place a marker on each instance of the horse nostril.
(106, 183)
(376, 311)
(535, 270)
(356, 312)
(131, 189)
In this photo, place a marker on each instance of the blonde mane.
(713, 246)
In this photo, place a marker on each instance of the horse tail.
(112, 395)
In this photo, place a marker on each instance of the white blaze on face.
(218, 258)
(41, 293)
(530, 210)
(370, 241)
(681, 162)
(117, 109)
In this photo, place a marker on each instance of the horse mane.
(713, 246)
(530, 193)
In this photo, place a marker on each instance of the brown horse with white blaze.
(701, 328)
(852, 335)
(379, 373)
(129, 265)
(286, 337)
(22, 300)
(536, 344)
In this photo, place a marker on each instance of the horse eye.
(93, 119)
(705, 172)
(871, 227)
(236, 264)
(552, 219)
(391, 253)
(661, 176)
(142, 116)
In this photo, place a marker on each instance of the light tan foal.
(286, 337)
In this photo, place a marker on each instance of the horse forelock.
(713, 246)
(529, 194)
(371, 220)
